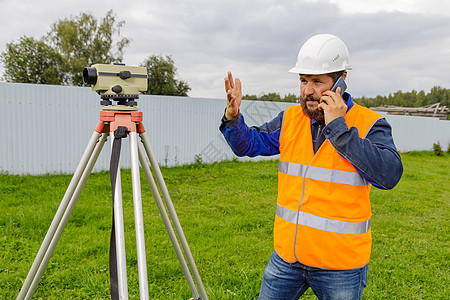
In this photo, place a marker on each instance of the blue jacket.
(375, 157)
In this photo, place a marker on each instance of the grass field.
(227, 211)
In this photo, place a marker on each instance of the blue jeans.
(283, 281)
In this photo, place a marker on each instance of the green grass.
(227, 211)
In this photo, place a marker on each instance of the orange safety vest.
(323, 206)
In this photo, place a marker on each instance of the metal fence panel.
(419, 133)
(46, 128)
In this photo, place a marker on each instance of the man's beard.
(314, 114)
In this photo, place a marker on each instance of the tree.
(83, 41)
(445, 101)
(249, 97)
(31, 61)
(270, 97)
(398, 98)
(435, 95)
(291, 98)
(420, 99)
(162, 73)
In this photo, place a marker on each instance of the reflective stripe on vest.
(321, 223)
(322, 174)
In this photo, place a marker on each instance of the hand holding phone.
(332, 105)
(339, 83)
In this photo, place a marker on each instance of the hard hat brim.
(297, 70)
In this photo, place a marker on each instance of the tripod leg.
(138, 217)
(63, 213)
(120, 236)
(173, 214)
(166, 220)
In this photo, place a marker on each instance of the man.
(331, 151)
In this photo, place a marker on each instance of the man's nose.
(308, 89)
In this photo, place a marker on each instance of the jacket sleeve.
(375, 157)
(252, 141)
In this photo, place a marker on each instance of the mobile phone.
(339, 83)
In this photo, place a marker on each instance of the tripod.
(129, 119)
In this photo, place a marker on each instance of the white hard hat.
(322, 54)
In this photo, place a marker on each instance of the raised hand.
(234, 96)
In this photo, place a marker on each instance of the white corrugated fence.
(46, 128)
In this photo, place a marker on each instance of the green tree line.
(399, 98)
(272, 97)
(409, 99)
(73, 43)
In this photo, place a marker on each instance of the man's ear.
(344, 75)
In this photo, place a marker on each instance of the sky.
(393, 44)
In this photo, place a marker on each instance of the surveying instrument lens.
(90, 75)
(123, 84)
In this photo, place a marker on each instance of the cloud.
(398, 45)
(438, 7)
(386, 48)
